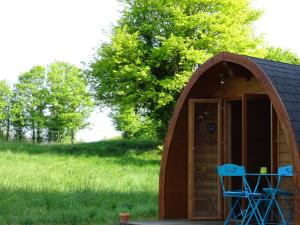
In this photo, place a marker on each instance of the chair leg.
(280, 213)
(247, 216)
(231, 209)
(268, 210)
(232, 214)
(290, 210)
(253, 205)
(290, 214)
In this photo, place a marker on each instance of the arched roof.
(281, 82)
(286, 80)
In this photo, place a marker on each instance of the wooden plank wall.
(285, 158)
(237, 86)
(177, 171)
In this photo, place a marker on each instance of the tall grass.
(80, 184)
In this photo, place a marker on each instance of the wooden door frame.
(243, 98)
(226, 139)
(273, 118)
(191, 114)
(226, 122)
(223, 137)
(274, 121)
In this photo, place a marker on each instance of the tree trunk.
(19, 134)
(7, 128)
(72, 136)
(38, 133)
(33, 132)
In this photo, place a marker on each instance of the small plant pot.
(124, 217)
(263, 170)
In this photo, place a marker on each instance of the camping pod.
(234, 109)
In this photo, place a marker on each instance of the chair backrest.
(285, 171)
(232, 170)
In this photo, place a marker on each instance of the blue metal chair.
(236, 212)
(274, 193)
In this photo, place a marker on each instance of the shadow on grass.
(107, 148)
(127, 159)
(26, 207)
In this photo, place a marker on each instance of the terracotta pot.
(124, 217)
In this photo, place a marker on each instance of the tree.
(32, 92)
(17, 111)
(281, 55)
(153, 51)
(69, 102)
(50, 103)
(5, 97)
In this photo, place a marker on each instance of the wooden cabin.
(234, 109)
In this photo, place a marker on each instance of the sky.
(41, 31)
(280, 23)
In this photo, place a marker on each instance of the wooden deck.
(175, 222)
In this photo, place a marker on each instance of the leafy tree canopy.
(5, 93)
(69, 102)
(30, 101)
(51, 103)
(5, 96)
(153, 51)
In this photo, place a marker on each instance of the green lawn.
(88, 184)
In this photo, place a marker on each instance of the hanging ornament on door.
(211, 127)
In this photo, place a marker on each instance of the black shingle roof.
(286, 79)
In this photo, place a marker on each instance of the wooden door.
(204, 157)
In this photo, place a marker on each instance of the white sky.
(280, 23)
(40, 31)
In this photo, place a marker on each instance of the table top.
(261, 174)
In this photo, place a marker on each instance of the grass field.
(88, 184)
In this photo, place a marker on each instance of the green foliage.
(51, 103)
(31, 96)
(91, 184)
(18, 117)
(132, 124)
(5, 96)
(281, 55)
(68, 100)
(153, 52)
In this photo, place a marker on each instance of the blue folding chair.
(274, 193)
(236, 212)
